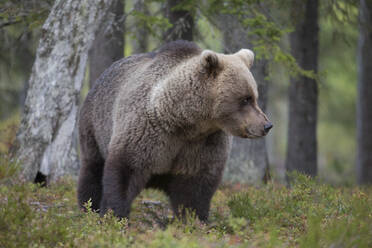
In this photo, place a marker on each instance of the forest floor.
(308, 214)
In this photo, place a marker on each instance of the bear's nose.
(267, 127)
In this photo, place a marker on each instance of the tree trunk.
(141, 34)
(248, 161)
(45, 137)
(26, 59)
(182, 21)
(364, 99)
(108, 46)
(303, 91)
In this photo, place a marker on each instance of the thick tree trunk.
(303, 91)
(182, 21)
(108, 46)
(248, 161)
(364, 99)
(140, 43)
(45, 137)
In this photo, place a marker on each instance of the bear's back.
(129, 79)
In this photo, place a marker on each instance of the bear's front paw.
(118, 211)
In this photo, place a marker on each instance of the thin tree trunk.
(303, 91)
(182, 21)
(108, 46)
(248, 161)
(26, 59)
(364, 99)
(141, 34)
(45, 137)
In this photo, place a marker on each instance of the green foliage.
(241, 206)
(152, 23)
(8, 130)
(306, 215)
(186, 5)
(8, 167)
(165, 239)
(31, 13)
(266, 28)
(31, 216)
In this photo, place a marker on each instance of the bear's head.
(234, 93)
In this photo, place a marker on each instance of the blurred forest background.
(267, 27)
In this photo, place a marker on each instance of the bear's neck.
(179, 104)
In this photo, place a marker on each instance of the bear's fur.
(164, 119)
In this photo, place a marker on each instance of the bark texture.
(303, 91)
(364, 99)
(45, 138)
(141, 34)
(248, 161)
(182, 21)
(108, 46)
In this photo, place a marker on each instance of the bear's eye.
(247, 100)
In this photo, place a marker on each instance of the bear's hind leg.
(91, 172)
(193, 193)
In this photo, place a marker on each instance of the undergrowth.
(308, 214)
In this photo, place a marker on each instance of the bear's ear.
(247, 56)
(209, 61)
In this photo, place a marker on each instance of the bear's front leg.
(121, 184)
(193, 193)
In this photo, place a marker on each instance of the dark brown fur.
(154, 120)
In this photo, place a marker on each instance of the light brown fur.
(164, 120)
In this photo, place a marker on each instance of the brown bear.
(164, 120)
